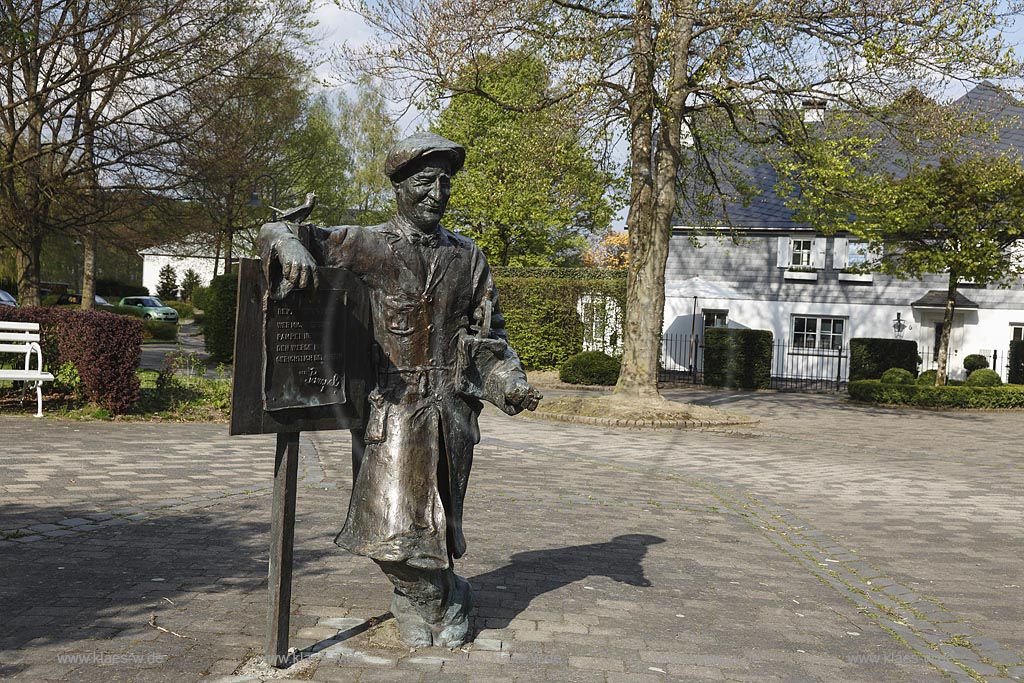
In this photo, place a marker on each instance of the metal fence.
(997, 360)
(793, 368)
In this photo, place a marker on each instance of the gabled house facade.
(767, 271)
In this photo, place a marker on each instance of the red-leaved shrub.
(104, 348)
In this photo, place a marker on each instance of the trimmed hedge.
(184, 310)
(219, 325)
(1016, 363)
(104, 349)
(870, 357)
(897, 376)
(738, 359)
(540, 313)
(928, 377)
(873, 391)
(975, 361)
(983, 377)
(115, 289)
(161, 330)
(590, 367)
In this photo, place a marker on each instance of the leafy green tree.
(368, 131)
(167, 285)
(318, 160)
(531, 192)
(681, 81)
(962, 218)
(190, 281)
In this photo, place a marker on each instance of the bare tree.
(93, 91)
(685, 79)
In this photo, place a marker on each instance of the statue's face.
(423, 194)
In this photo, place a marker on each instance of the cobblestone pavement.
(828, 543)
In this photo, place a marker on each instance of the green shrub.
(1015, 374)
(541, 315)
(983, 377)
(115, 290)
(219, 328)
(184, 310)
(975, 361)
(870, 357)
(66, 379)
(873, 391)
(738, 358)
(927, 377)
(590, 367)
(133, 311)
(897, 376)
(200, 297)
(160, 330)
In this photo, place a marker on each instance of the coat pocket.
(377, 420)
(400, 313)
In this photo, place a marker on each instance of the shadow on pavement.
(504, 593)
(100, 590)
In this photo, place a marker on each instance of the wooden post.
(282, 533)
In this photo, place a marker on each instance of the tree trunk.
(638, 376)
(27, 262)
(947, 327)
(89, 271)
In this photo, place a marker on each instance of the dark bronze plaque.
(302, 363)
(305, 346)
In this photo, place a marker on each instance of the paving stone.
(929, 518)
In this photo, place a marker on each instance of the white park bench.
(23, 338)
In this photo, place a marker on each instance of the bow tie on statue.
(430, 240)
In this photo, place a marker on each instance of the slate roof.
(936, 298)
(768, 211)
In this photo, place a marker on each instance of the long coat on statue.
(440, 346)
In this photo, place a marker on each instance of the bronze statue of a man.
(440, 347)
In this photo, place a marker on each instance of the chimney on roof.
(814, 109)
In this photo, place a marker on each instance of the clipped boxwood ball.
(927, 378)
(897, 376)
(984, 378)
(590, 367)
(975, 361)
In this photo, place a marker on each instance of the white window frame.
(801, 253)
(718, 313)
(812, 253)
(819, 332)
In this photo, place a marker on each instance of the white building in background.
(769, 272)
(181, 256)
(790, 281)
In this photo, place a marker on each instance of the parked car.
(76, 300)
(6, 299)
(151, 308)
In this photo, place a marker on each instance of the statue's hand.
(523, 395)
(298, 268)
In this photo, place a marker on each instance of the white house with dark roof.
(768, 271)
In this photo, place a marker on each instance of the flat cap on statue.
(420, 145)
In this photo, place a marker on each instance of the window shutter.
(818, 253)
(784, 256)
(840, 252)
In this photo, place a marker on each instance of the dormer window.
(800, 254)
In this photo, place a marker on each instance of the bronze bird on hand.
(296, 214)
